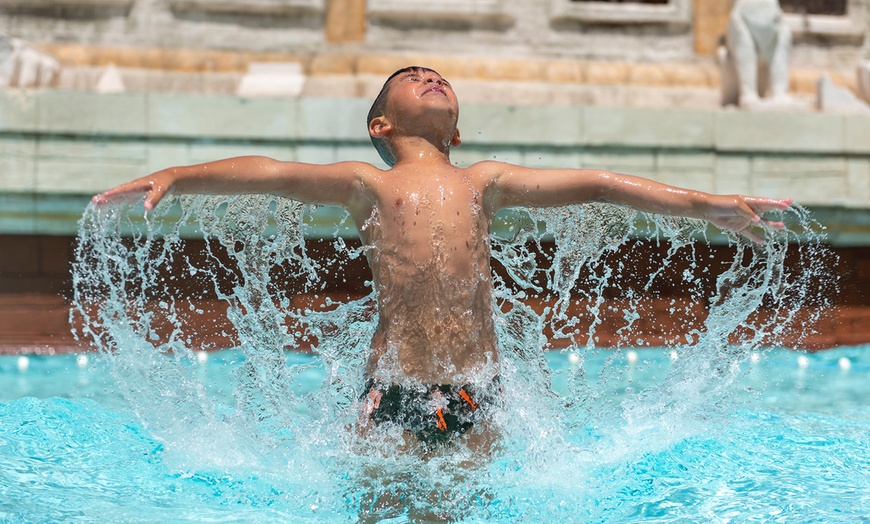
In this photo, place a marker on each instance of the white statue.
(864, 66)
(755, 61)
(22, 65)
(866, 51)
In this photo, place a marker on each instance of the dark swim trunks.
(434, 413)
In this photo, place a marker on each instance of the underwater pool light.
(202, 356)
(844, 363)
(23, 363)
(631, 356)
(803, 361)
(82, 361)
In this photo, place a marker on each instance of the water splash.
(595, 276)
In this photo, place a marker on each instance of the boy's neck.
(419, 149)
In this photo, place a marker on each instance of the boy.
(426, 224)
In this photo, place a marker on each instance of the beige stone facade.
(568, 50)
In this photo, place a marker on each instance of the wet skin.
(425, 224)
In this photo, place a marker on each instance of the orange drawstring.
(442, 424)
(467, 398)
(439, 413)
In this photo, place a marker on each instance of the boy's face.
(423, 94)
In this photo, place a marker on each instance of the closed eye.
(416, 77)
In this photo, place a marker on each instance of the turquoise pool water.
(792, 444)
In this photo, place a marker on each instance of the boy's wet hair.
(378, 108)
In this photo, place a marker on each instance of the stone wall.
(535, 51)
(492, 27)
(485, 79)
(59, 147)
(676, 32)
(626, 31)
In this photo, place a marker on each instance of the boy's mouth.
(435, 88)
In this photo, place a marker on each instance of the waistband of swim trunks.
(493, 389)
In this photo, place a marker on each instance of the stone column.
(710, 22)
(866, 51)
(345, 21)
(863, 71)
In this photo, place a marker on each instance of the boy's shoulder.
(357, 169)
(356, 166)
(488, 166)
(488, 170)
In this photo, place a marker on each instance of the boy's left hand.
(154, 187)
(739, 214)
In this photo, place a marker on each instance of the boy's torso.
(427, 231)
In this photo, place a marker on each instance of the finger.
(763, 205)
(150, 202)
(776, 224)
(154, 196)
(751, 235)
(748, 211)
(114, 195)
(122, 191)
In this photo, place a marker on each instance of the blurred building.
(646, 52)
(102, 91)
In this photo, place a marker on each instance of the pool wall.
(36, 292)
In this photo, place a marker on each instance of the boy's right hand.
(154, 186)
(742, 214)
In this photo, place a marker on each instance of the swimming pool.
(790, 445)
(714, 428)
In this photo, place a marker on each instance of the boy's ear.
(455, 141)
(379, 127)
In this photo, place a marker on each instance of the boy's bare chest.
(426, 220)
(443, 199)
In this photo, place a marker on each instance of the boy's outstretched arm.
(327, 184)
(520, 186)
